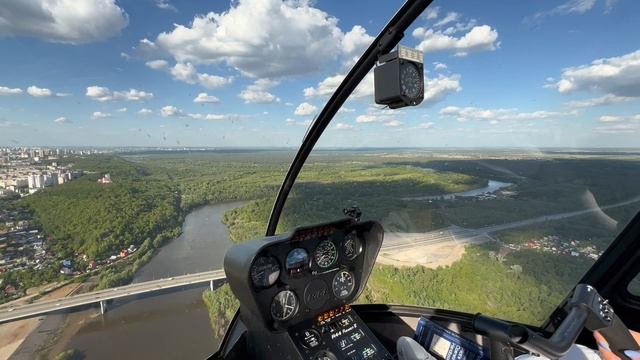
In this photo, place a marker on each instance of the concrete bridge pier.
(103, 307)
(211, 285)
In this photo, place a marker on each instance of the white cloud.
(291, 122)
(158, 64)
(428, 125)
(619, 76)
(356, 40)
(612, 118)
(474, 113)
(432, 12)
(100, 115)
(219, 117)
(366, 87)
(439, 88)
(618, 129)
(609, 118)
(63, 21)
(145, 111)
(305, 109)
(354, 43)
(165, 5)
(100, 93)
(343, 126)
(38, 92)
(392, 123)
(257, 93)
(147, 50)
(439, 66)
(479, 38)
(213, 81)
(255, 37)
(567, 8)
(365, 118)
(205, 98)
(450, 17)
(345, 110)
(459, 27)
(380, 115)
(170, 110)
(188, 73)
(124, 109)
(10, 91)
(608, 99)
(62, 120)
(327, 86)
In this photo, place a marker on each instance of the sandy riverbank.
(13, 334)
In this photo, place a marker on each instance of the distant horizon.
(208, 148)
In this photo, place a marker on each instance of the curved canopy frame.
(388, 38)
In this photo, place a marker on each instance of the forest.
(152, 193)
(526, 285)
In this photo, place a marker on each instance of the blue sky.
(254, 72)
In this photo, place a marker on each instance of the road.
(392, 241)
(397, 241)
(12, 313)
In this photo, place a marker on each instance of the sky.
(255, 72)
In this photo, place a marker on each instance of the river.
(492, 186)
(174, 325)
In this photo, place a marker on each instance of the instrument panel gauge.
(284, 305)
(265, 271)
(410, 80)
(352, 247)
(297, 260)
(343, 284)
(326, 254)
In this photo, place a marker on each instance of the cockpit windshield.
(141, 140)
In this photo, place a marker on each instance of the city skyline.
(122, 74)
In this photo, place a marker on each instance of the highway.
(12, 313)
(392, 241)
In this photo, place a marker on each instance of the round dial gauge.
(265, 271)
(284, 305)
(326, 254)
(343, 284)
(351, 246)
(410, 80)
(297, 260)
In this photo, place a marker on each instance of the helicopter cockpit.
(298, 291)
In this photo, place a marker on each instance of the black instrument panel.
(317, 269)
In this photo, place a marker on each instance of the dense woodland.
(525, 285)
(151, 194)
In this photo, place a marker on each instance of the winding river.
(173, 325)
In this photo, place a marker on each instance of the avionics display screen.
(440, 346)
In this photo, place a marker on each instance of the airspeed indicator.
(326, 254)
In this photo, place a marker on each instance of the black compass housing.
(399, 79)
